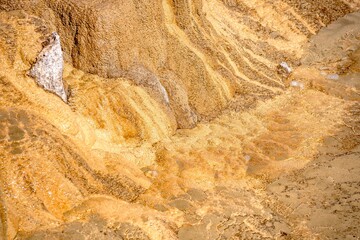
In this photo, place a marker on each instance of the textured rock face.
(49, 67)
(217, 49)
(111, 163)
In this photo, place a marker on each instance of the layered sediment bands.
(131, 110)
(216, 48)
(112, 163)
(51, 175)
(122, 113)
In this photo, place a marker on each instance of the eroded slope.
(111, 165)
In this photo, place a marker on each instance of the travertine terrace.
(168, 119)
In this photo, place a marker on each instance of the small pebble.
(155, 174)
(247, 158)
(323, 73)
(152, 174)
(286, 67)
(332, 76)
(297, 84)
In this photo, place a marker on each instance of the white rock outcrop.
(49, 67)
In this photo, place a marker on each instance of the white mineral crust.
(49, 67)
